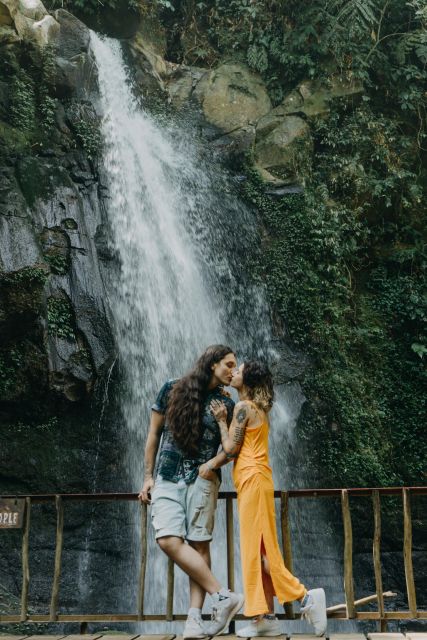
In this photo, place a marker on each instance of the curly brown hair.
(187, 397)
(258, 381)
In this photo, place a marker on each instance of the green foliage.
(60, 317)
(46, 103)
(10, 362)
(23, 102)
(345, 265)
(58, 264)
(86, 128)
(290, 41)
(27, 275)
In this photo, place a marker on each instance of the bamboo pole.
(143, 564)
(170, 590)
(286, 543)
(58, 556)
(407, 553)
(376, 551)
(361, 601)
(25, 560)
(348, 555)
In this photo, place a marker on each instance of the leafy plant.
(60, 317)
(23, 102)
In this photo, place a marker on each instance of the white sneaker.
(223, 610)
(314, 610)
(261, 627)
(194, 628)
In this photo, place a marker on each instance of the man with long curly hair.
(184, 494)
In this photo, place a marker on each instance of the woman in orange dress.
(263, 569)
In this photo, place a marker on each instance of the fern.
(415, 42)
(358, 15)
(257, 57)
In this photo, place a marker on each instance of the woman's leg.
(266, 580)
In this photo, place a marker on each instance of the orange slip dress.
(253, 479)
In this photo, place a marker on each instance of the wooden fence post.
(25, 560)
(407, 553)
(348, 555)
(170, 590)
(286, 543)
(58, 557)
(376, 553)
(143, 564)
(230, 549)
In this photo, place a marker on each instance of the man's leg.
(197, 593)
(190, 561)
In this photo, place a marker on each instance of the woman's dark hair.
(187, 397)
(258, 381)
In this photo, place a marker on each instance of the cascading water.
(180, 236)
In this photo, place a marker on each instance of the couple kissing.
(195, 429)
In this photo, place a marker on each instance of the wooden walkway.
(296, 636)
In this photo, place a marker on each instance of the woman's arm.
(231, 439)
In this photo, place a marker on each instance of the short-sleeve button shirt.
(173, 464)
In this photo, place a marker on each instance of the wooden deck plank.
(86, 636)
(5, 636)
(416, 635)
(167, 636)
(116, 636)
(282, 637)
(347, 636)
(46, 637)
(386, 636)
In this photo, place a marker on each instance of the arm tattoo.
(241, 415)
(239, 434)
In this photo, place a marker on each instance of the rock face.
(57, 353)
(30, 19)
(56, 341)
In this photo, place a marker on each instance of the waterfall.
(181, 237)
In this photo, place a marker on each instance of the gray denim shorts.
(185, 511)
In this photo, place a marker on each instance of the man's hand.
(206, 472)
(219, 410)
(145, 494)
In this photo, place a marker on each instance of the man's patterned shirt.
(173, 465)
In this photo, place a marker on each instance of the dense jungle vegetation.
(344, 262)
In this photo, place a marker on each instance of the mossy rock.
(232, 97)
(283, 148)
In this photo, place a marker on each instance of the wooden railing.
(346, 611)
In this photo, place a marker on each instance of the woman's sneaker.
(262, 626)
(313, 609)
(193, 628)
(223, 609)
